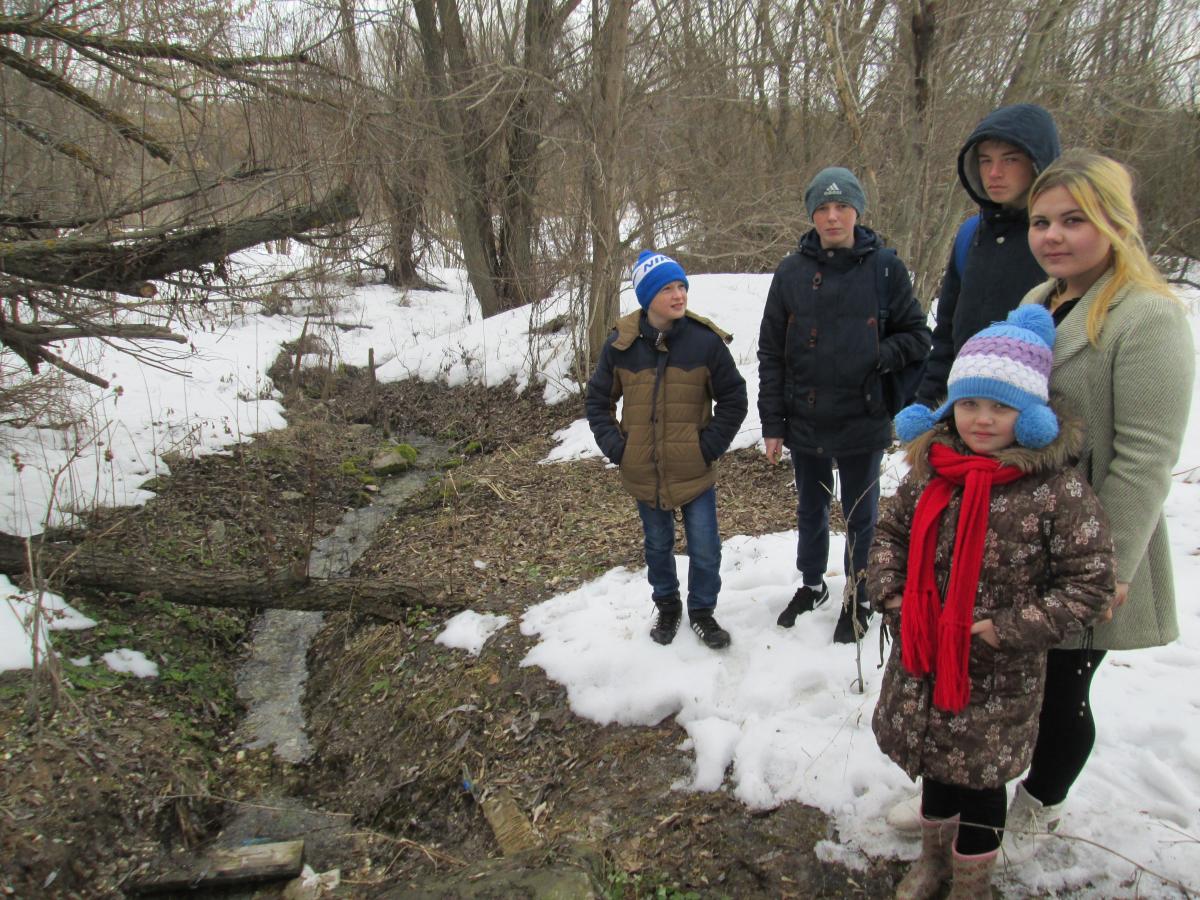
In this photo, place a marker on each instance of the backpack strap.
(963, 241)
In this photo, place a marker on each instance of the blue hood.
(1023, 125)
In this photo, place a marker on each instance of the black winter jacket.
(820, 357)
(1000, 269)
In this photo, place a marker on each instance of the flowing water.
(271, 681)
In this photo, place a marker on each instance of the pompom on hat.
(1008, 362)
(652, 272)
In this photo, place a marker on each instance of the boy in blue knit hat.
(670, 367)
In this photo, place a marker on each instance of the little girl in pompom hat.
(994, 550)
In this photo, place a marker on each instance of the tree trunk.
(404, 218)
(848, 98)
(525, 130)
(82, 568)
(444, 50)
(1028, 66)
(125, 263)
(608, 66)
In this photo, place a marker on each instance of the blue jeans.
(703, 550)
(859, 477)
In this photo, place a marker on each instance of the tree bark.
(126, 263)
(1046, 19)
(85, 101)
(847, 97)
(611, 40)
(444, 50)
(82, 568)
(526, 136)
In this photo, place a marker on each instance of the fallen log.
(128, 262)
(223, 867)
(63, 564)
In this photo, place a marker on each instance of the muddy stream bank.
(271, 681)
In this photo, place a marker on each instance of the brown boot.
(973, 876)
(933, 868)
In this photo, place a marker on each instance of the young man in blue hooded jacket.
(991, 267)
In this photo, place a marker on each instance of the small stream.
(271, 680)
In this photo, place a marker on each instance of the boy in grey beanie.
(835, 184)
(822, 357)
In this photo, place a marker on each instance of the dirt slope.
(105, 773)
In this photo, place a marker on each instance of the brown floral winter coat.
(1047, 572)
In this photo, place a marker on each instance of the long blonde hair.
(1103, 188)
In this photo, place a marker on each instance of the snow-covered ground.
(776, 718)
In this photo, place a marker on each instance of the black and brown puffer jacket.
(669, 437)
(1047, 573)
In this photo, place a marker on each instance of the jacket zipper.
(659, 376)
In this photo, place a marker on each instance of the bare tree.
(610, 38)
(110, 182)
(499, 257)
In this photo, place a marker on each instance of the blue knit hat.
(652, 273)
(834, 184)
(1008, 362)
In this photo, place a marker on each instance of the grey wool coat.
(1133, 391)
(1047, 572)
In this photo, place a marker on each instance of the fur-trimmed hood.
(1060, 452)
(630, 325)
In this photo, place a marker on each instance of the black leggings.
(982, 813)
(1066, 729)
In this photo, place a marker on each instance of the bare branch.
(143, 204)
(144, 49)
(127, 263)
(68, 149)
(89, 104)
(59, 363)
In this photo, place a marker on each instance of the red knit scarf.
(936, 637)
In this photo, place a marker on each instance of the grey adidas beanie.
(834, 183)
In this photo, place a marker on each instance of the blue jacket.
(820, 357)
(1000, 268)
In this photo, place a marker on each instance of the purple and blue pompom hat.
(1008, 362)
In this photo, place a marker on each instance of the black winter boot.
(709, 631)
(670, 612)
(806, 599)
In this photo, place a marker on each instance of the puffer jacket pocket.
(1017, 674)
(702, 465)
(684, 460)
(872, 393)
(1004, 673)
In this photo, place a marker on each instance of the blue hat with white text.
(652, 273)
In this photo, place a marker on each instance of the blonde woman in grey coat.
(1123, 359)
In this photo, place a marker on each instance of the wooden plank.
(226, 866)
(512, 829)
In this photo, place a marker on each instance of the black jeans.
(1066, 729)
(859, 481)
(981, 812)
